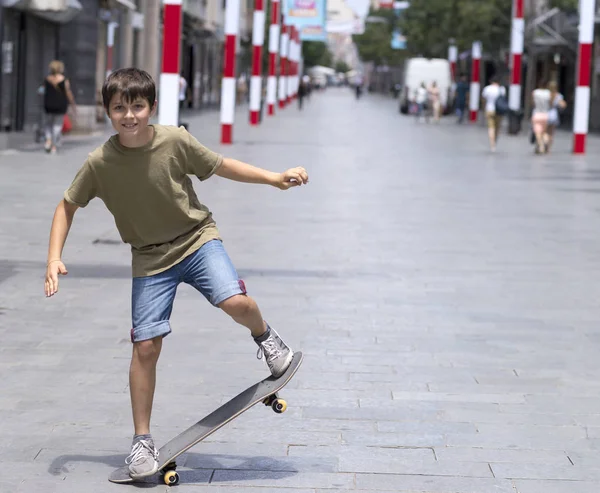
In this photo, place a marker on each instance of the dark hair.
(131, 83)
(494, 79)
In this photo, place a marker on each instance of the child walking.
(141, 174)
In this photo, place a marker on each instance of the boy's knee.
(238, 306)
(148, 350)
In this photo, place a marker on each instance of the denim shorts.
(208, 269)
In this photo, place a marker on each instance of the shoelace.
(272, 351)
(138, 451)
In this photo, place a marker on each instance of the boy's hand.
(55, 267)
(293, 177)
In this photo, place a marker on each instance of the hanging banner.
(308, 16)
(398, 39)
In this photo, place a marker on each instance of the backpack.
(55, 98)
(501, 105)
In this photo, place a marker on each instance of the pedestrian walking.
(557, 104)
(57, 97)
(302, 91)
(492, 94)
(434, 99)
(462, 91)
(539, 117)
(141, 174)
(358, 86)
(183, 91)
(421, 97)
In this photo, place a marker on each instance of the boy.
(141, 174)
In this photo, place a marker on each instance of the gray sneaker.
(143, 460)
(277, 353)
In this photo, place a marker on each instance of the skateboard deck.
(264, 391)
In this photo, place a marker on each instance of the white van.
(427, 70)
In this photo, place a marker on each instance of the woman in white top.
(557, 102)
(491, 93)
(421, 100)
(539, 118)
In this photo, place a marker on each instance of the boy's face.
(130, 118)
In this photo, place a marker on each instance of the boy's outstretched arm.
(239, 171)
(63, 218)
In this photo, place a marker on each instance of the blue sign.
(308, 17)
(398, 41)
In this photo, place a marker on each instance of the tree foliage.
(341, 66)
(429, 25)
(316, 53)
(374, 45)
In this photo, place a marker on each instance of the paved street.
(446, 300)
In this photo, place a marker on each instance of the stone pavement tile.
(333, 397)
(516, 441)
(393, 439)
(459, 397)
(237, 447)
(48, 486)
(514, 387)
(375, 413)
(553, 486)
(257, 462)
(426, 427)
(582, 458)
(525, 470)
(558, 433)
(491, 455)
(259, 435)
(282, 480)
(21, 447)
(510, 418)
(431, 484)
(213, 488)
(574, 404)
(373, 382)
(366, 426)
(387, 460)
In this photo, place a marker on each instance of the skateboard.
(264, 391)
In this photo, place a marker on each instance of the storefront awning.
(59, 11)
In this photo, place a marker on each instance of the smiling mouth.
(130, 125)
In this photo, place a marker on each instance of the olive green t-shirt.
(148, 191)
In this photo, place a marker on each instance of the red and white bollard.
(475, 84)
(168, 102)
(296, 60)
(290, 65)
(587, 10)
(110, 43)
(452, 58)
(294, 71)
(258, 40)
(517, 38)
(283, 63)
(273, 47)
(232, 22)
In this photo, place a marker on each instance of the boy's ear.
(154, 106)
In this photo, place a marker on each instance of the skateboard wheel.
(279, 406)
(171, 478)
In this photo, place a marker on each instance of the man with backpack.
(496, 106)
